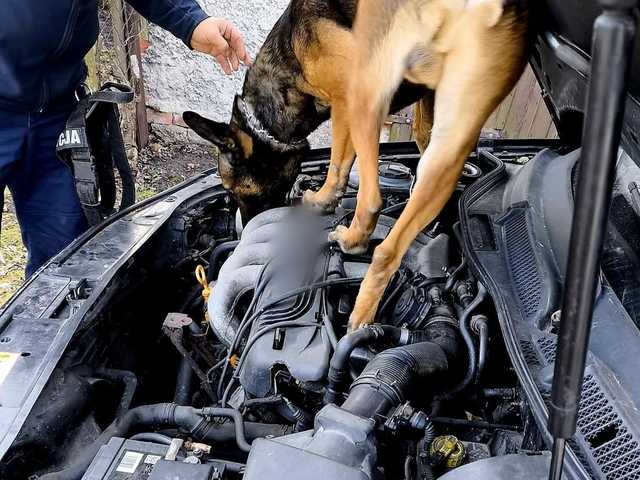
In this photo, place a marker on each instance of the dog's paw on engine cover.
(350, 240)
(320, 201)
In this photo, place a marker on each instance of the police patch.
(72, 138)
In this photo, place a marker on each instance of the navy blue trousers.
(42, 187)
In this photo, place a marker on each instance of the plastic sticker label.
(152, 459)
(7, 361)
(129, 462)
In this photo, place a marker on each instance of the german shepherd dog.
(459, 58)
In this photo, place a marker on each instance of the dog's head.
(256, 168)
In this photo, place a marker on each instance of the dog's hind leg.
(342, 156)
(477, 74)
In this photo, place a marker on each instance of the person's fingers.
(233, 59)
(246, 59)
(233, 36)
(224, 63)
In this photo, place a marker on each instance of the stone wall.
(177, 79)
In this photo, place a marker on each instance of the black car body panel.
(37, 324)
(516, 223)
(560, 59)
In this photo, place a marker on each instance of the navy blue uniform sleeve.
(180, 17)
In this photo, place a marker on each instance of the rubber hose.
(184, 379)
(236, 417)
(454, 276)
(407, 468)
(165, 415)
(152, 437)
(429, 434)
(390, 377)
(425, 472)
(339, 366)
(214, 434)
(470, 374)
(216, 253)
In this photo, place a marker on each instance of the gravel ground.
(161, 165)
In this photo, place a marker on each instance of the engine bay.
(221, 351)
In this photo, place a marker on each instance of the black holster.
(93, 147)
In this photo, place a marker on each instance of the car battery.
(122, 459)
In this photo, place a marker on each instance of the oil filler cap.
(447, 450)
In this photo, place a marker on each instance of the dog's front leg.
(440, 168)
(342, 156)
(367, 110)
(473, 84)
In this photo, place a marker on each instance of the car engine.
(279, 306)
(281, 303)
(248, 370)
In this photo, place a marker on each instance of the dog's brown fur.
(460, 57)
(300, 79)
(470, 53)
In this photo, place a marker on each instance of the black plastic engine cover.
(292, 335)
(300, 344)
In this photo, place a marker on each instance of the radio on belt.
(122, 459)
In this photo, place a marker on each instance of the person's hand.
(222, 40)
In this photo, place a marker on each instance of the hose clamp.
(377, 330)
(170, 413)
(405, 336)
(478, 322)
(199, 430)
(380, 383)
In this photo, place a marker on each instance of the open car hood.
(561, 61)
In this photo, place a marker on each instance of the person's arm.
(187, 21)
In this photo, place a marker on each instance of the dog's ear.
(220, 134)
(490, 10)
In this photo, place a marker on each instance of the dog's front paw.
(349, 240)
(362, 315)
(320, 201)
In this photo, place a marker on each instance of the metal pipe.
(458, 422)
(613, 36)
(480, 326)
(469, 307)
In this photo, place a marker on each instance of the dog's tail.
(423, 120)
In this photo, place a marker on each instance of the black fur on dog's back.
(271, 85)
(342, 12)
(277, 95)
